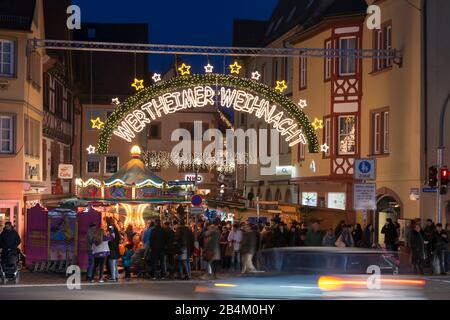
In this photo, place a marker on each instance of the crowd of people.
(166, 250)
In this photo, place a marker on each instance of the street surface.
(53, 287)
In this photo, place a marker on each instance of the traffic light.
(444, 176)
(433, 176)
(444, 179)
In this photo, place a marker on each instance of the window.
(347, 135)
(386, 132)
(154, 130)
(336, 200)
(309, 199)
(301, 152)
(383, 41)
(92, 115)
(347, 62)
(93, 164)
(328, 60)
(388, 44)
(380, 132)
(189, 126)
(32, 137)
(6, 58)
(111, 164)
(303, 73)
(58, 99)
(6, 134)
(34, 68)
(327, 135)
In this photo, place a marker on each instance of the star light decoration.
(184, 69)
(90, 149)
(302, 103)
(256, 75)
(156, 77)
(97, 123)
(115, 101)
(208, 68)
(235, 67)
(317, 124)
(324, 148)
(281, 86)
(138, 84)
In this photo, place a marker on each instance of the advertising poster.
(63, 232)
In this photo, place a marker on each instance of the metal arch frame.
(210, 50)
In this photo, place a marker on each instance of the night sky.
(196, 22)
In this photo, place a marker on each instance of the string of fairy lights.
(186, 79)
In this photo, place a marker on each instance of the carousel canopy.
(135, 172)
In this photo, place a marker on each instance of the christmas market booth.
(135, 192)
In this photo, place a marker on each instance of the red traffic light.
(444, 176)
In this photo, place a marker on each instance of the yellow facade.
(20, 98)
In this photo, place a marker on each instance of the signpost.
(364, 169)
(364, 196)
(196, 200)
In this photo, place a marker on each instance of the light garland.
(235, 67)
(156, 77)
(184, 69)
(213, 79)
(317, 124)
(97, 123)
(138, 84)
(281, 86)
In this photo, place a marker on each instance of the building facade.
(21, 110)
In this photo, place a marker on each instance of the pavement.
(46, 286)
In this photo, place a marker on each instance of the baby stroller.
(139, 264)
(10, 265)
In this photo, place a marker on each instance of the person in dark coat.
(266, 241)
(9, 240)
(339, 228)
(295, 237)
(248, 248)
(390, 235)
(367, 237)
(280, 236)
(184, 246)
(418, 249)
(170, 249)
(114, 251)
(158, 243)
(439, 244)
(428, 237)
(226, 259)
(357, 234)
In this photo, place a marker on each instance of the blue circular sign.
(196, 200)
(364, 167)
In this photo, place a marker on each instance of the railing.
(57, 128)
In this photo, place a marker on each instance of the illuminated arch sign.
(197, 91)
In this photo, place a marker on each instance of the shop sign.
(364, 196)
(65, 171)
(191, 177)
(364, 169)
(283, 170)
(196, 210)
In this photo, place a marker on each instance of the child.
(126, 260)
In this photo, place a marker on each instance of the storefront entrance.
(387, 207)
